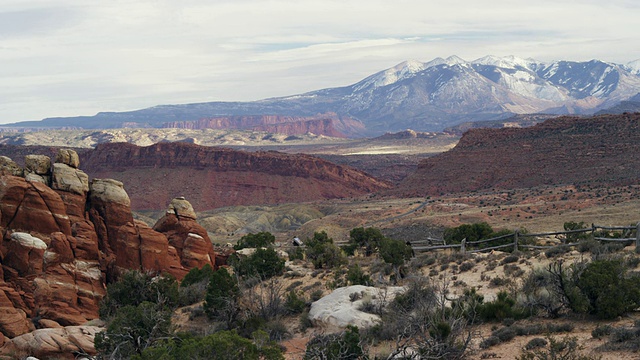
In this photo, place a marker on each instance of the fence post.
(593, 230)
(515, 241)
(638, 237)
(463, 245)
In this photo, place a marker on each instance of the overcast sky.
(66, 58)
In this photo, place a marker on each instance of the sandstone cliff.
(216, 177)
(600, 150)
(325, 124)
(64, 238)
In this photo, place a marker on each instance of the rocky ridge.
(64, 238)
(600, 150)
(217, 177)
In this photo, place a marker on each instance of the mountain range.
(425, 96)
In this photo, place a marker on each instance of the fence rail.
(516, 235)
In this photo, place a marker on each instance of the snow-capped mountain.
(424, 95)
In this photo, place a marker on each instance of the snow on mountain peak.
(634, 66)
(455, 60)
(392, 75)
(507, 62)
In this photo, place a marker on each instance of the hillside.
(600, 151)
(216, 177)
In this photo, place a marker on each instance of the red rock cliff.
(216, 177)
(567, 150)
(64, 238)
(290, 125)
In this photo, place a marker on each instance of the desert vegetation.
(443, 313)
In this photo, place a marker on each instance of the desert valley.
(333, 232)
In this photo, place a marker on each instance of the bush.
(135, 287)
(260, 240)
(536, 343)
(601, 331)
(133, 329)
(501, 308)
(222, 345)
(264, 263)
(322, 252)
(466, 266)
(344, 346)
(196, 275)
(222, 296)
(294, 304)
(367, 239)
(609, 292)
(565, 349)
(355, 276)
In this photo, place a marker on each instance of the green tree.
(356, 276)
(133, 329)
(221, 301)
(322, 252)
(264, 263)
(367, 239)
(261, 239)
(196, 275)
(608, 289)
(222, 345)
(471, 232)
(135, 287)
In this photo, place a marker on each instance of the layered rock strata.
(64, 239)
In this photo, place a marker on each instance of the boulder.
(31, 177)
(182, 208)
(9, 167)
(37, 164)
(58, 343)
(109, 191)
(69, 179)
(68, 157)
(339, 309)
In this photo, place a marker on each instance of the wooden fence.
(517, 240)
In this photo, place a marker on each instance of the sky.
(70, 58)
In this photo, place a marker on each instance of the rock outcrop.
(289, 125)
(63, 240)
(341, 308)
(216, 177)
(594, 151)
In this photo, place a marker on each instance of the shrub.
(395, 252)
(466, 266)
(536, 343)
(345, 345)
(556, 251)
(133, 329)
(294, 304)
(261, 239)
(196, 275)
(509, 259)
(609, 292)
(264, 262)
(501, 308)
(601, 331)
(135, 287)
(564, 349)
(322, 252)
(355, 276)
(222, 295)
(367, 239)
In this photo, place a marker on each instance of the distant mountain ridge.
(421, 96)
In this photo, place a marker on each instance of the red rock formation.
(600, 150)
(216, 177)
(289, 125)
(60, 247)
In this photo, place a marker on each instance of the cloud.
(80, 57)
